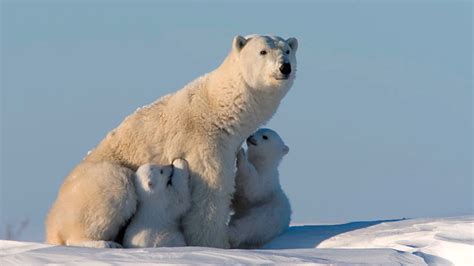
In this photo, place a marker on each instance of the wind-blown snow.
(419, 241)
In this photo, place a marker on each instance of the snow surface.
(444, 241)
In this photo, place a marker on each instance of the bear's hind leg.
(95, 201)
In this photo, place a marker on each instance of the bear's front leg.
(205, 224)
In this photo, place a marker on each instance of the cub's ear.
(293, 43)
(150, 185)
(238, 43)
(286, 149)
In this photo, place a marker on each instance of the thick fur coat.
(262, 210)
(204, 123)
(163, 198)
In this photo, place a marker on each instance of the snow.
(437, 241)
(21, 253)
(412, 241)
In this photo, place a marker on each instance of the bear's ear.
(286, 149)
(150, 185)
(293, 43)
(238, 43)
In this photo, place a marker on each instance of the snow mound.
(419, 241)
(438, 241)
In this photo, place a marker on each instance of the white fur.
(160, 206)
(262, 210)
(103, 217)
(205, 123)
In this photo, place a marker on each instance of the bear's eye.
(265, 137)
(263, 52)
(161, 171)
(287, 52)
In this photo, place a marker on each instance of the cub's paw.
(181, 168)
(241, 157)
(180, 163)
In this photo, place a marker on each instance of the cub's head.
(266, 146)
(266, 61)
(167, 186)
(152, 180)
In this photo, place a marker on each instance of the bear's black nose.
(285, 68)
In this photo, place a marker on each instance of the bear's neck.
(150, 213)
(266, 166)
(236, 108)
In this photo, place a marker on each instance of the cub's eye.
(263, 52)
(161, 171)
(265, 137)
(287, 52)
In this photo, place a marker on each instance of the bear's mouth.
(252, 140)
(282, 77)
(170, 178)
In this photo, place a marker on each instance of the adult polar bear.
(205, 123)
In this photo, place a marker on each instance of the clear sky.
(379, 120)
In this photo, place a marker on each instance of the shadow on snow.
(310, 236)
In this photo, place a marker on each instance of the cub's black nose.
(285, 68)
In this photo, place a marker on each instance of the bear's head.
(167, 187)
(266, 147)
(266, 61)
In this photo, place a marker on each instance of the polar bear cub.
(262, 210)
(163, 198)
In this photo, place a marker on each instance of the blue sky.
(379, 120)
